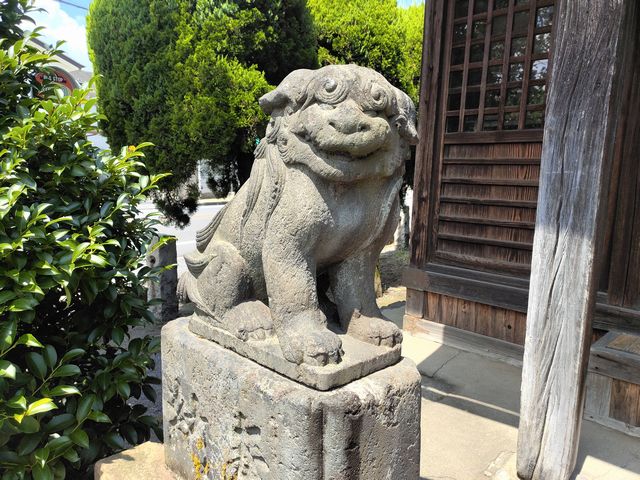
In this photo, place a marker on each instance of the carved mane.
(268, 170)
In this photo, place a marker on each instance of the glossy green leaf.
(149, 392)
(129, 433)
(7, 333)
(24, 303)
(50, 356)
(72, 354)
(67, 371)
(99, 417)
(71, 455)
(18, 401)
(36, 364)
(123, 389)
(7, 295)
(42, 472)
(41, 455)
(63, 390)
(59, 444)
(80, 438)
(29, 340)
(41, 406)
(114, 440)
(28, 443)
(118, 335)
(29, 425)
(84, 407)
(60, 422)
(7, 369)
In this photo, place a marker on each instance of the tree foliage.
(411, 21)
(132, 48)
(72, 244)
(372, 33)
(187, 74)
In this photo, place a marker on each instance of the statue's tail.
(197, 260)
(183, 287)
(187, 284)
(204, 236)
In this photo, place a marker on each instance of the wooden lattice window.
(497, 64)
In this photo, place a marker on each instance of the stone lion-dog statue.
(298, 243)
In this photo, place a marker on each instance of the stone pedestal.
(227, 417)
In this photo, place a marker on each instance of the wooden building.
(487, 68)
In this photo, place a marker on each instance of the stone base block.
(359, 358)
(228, 417)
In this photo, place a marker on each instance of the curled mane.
(268, 171)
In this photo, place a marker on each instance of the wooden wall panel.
(470, 250)
(486, 211)
(622, 270)
(427, 151)
(489, 215)
(475, 192)
(495, 235)
(495, 322)
(625, 402)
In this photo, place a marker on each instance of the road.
(186, 238)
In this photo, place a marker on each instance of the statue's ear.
(273, 100)
(289, 92)
(411, 133)
(407, 118)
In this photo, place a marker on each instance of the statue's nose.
(348, 119)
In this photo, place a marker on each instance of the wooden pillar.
(594, 45)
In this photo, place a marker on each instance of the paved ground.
(470, 407)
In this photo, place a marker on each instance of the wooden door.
(476, 186)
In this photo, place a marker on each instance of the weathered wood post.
(167, 284)
(594, 46)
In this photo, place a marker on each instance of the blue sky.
(64, 22)
(67, 22)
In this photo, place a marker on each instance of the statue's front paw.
(378, 331)
(320, 348)
(310, 342)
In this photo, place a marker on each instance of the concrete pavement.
(470, 406)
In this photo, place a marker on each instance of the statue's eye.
(378, 97)
(330, 85)
(329, 90)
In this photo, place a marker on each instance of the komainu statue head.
(345, 122)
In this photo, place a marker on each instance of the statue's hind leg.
(222, 291)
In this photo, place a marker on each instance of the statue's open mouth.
(357, 145)
(343, 165)
(340, 153)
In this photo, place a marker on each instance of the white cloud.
(59, 25)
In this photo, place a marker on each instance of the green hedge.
(72, 276)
